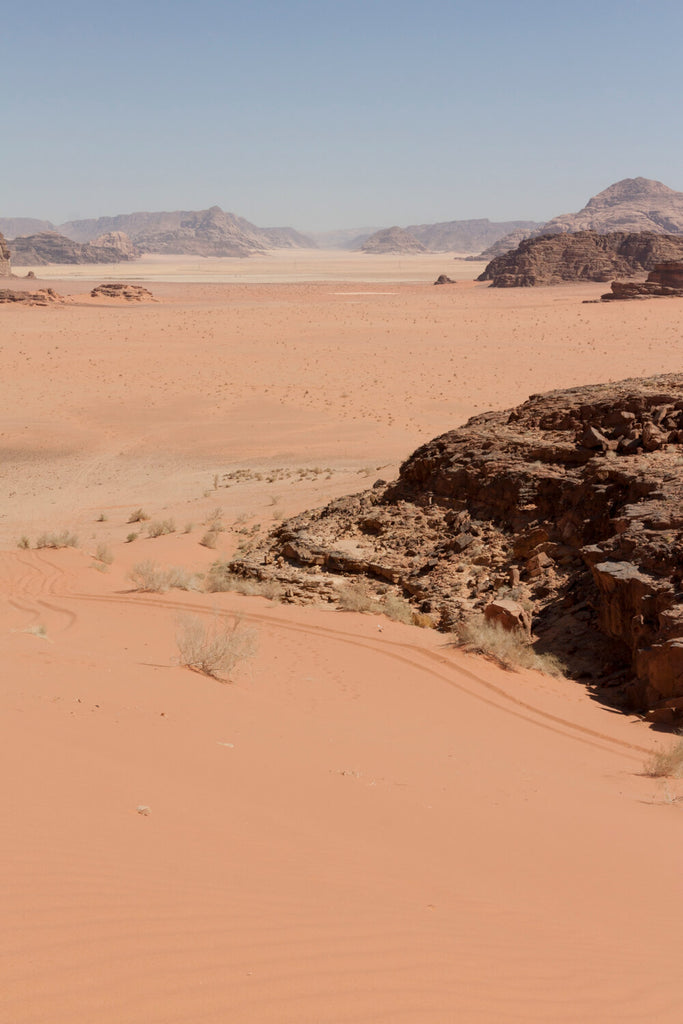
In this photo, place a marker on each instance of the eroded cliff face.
(571, 504)
(583, 256)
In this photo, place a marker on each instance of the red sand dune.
(364, 825)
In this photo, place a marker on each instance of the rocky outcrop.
(50, 247)
(390, 241)
(585, 256)
(665, 280)
(43, 297)
(569, 506)
(121, 290)
(5, 268)
(444, 279)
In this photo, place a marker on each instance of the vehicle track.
(60, 583)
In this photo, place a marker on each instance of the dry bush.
(219, 579)
(103, 554)
(57, 540)
(423, 620)
(160, 527)
(356, 597)
(210, 539)
(397, 608)
(150, 578)
(139, 516)
(666, 763)
(24, 542)
(131, 537)
(216, 647)
(507, 647)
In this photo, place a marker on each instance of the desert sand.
(364, 824)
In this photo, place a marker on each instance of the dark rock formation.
(585, 256)
(665, 280)
(5, 268)
(50, 247)
(120, 290)
(392, 240)
(570, 505)
(444, 279)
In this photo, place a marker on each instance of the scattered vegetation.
(210, 539)
(666, 763)
(38, 630)
(24, 542)
(139, 516)
(220, 579)
(65, 539)
(160, 527)
(103, 554)
(214, 648)
(508, 648)
(131, 537)
(397, 608)
(151, 578)
(356, 597)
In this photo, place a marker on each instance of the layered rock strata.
(665, 280)
(584, 256)
(570, 505)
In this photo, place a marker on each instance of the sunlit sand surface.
(364, 826)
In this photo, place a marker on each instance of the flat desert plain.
(364, 824)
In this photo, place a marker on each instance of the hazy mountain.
(633, 204)
(392, 240)
(10, 227)
(209, 232)
(466, 235)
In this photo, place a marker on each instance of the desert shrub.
(210, 539)
(355, 597)
(160, 527)
(189, 527)
(423, 620)
(397, 608)
(215, 647)
(666, 763)
(220, 579)
(24, 542)
(508, 647)
(139, 516)
(151, 578)
(131, 537)
(102, 518)
(103, 554)
(65, 539)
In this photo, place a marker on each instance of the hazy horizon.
(326, 117)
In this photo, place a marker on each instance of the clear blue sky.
(334, 114)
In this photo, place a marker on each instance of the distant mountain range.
(630, 205)
(209, 232)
